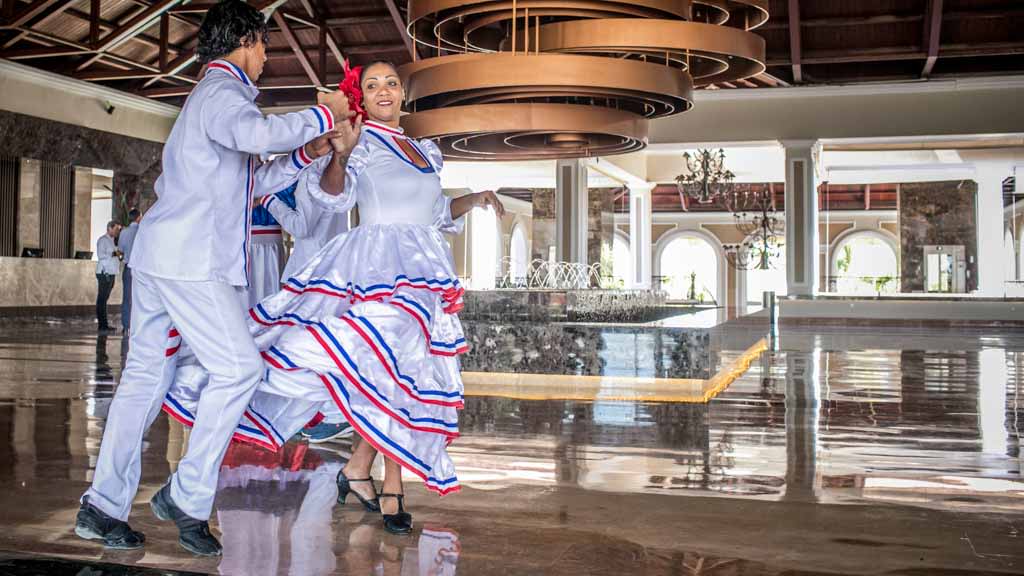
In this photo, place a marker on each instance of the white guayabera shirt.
(199, 227)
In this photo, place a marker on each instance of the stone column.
(82, 210)
(572, 211)
(801, 218)
(640, 246)
(28, 205)
(989, 217)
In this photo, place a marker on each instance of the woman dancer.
(370, 322)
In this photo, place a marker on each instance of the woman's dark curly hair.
(226, 26)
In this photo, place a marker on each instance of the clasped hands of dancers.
(365, 331)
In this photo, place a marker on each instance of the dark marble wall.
(587, 349)
(936, 213)
(601, 228)
(544, 213)
(40, 139)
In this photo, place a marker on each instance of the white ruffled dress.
(369, 323)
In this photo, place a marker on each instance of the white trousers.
(211, 319)
(266, 256)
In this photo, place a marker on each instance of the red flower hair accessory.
(350, 87)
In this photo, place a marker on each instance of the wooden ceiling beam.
(106, 25)
(326, 35)
(932, 36)
(94, 22)
(837, 21)
(297, 49)
(396, 16)
(795, 50)
(165, 41)
(166, 92)
(381, 18)
(133, 27)
(28, 13)
(55, 11)
(42, 52)
(877, 19)
(902, 53)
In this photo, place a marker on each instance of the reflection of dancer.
(190, 264)
(370, 322)
(274, 511)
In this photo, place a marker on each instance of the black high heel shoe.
(400, 523)
(371, 505)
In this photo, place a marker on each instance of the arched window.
(518, 254)
(689, 269)
(864, 262)
(771, 280)
(622, 261)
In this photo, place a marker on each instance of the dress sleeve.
(443, 205)
(298, 221)
(310, 179)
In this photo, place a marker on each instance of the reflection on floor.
(839, 451)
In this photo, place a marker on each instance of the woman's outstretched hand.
(489, 198)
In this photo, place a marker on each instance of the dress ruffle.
(370, 324)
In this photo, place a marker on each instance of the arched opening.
(865, 262)
(484, 233)
(689, 268)
(1010, 254)
(518, 255)
(622, 261)
(771, 280)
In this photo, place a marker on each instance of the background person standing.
(124, 243)
(107, 265)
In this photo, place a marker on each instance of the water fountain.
(562, 291)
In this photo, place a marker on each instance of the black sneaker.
(93, 524)
(193, 535)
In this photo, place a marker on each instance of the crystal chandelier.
(705, 177)
(760, 224)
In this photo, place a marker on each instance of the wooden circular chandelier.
(542, 79)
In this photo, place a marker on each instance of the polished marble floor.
(836, 451)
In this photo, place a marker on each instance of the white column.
(801, 218)
(571, 210)
(640, 246)
(989, 222)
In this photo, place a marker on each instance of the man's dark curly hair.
(226, 26)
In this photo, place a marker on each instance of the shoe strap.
(391, 495)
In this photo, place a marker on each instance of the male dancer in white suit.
(190, 266)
